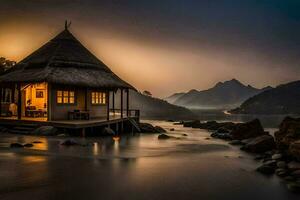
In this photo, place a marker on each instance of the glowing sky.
(167, 46)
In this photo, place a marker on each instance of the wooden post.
(121, 103)
(107, 104)
(113, 102)
(13, 91)
(127, 102)
(49, 102)
(1, 101)
(86, 99)
(19, 101)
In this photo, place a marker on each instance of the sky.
(167, 46)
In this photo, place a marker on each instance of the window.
(65, 97)
(98, 98)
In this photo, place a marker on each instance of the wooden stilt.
(121, 103)
(127, 102)
(19, 101)
(107, 103)
(83, 132)
(0, 102)
(113, 102)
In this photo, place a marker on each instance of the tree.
(147, 93)
(6, 64)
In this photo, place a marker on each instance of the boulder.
(37, 142)
(149, 128)
(28, 145)
(247, 130)
(16, 145)
(69, 142)
(45, 131)
(172, 129)
(163, 137)
(281, 164)
(289, 132)
(184, 134)
(236, 142)
(277, 156)
(193, 124)
(296, 174)
(260, 144)
(266, 169)
(108, 131)
(223, 130)
(159, 129)
(294, 165)
(294, 150)
(224, 136)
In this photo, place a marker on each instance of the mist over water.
(133, 167)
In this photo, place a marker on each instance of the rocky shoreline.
(278, 155)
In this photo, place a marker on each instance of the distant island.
(284, 99)
(224, 95)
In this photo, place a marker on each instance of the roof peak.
(67, 24)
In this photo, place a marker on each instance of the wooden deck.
(74, 124)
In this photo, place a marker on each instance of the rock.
(281, 172)
(163, 137)
(172, 129)
(207, 138)
(294, 149)
(260, 144)
(160, 129)
(296, 173)
(193, 124)
(260, 157)
(277, 156)
(108, 131)
(45, 131)
(149, 128)
(224, 136)
(289, 178)
(28, 145)
(271, 163)
(281, 164)
(69, 142)
(266, 169)
(247, 130)
(294, 187)
(184, 134)
(294, 165)
(236, 142)
(289, 132)
(16, 145)
(223, 130)
(37, 142)
(62, 135)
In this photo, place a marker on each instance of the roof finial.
(67, 25)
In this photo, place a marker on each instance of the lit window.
(98, 98)
(65, 97)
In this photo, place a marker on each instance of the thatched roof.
(64, 60)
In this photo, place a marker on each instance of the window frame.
(98, 98)
(63, 96)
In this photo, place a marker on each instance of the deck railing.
(131, 112)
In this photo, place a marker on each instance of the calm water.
(133, 167)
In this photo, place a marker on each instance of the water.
(133, 167)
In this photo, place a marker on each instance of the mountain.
(223, 95)
(284, 99)
(171, 99)
(154, 108)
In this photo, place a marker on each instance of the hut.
(62, 81)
